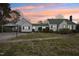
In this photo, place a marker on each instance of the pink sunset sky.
(42, 11)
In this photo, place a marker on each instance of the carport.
(10, 27)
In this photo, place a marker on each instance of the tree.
(4, 12)
(16, 15)
(45, 22)
(40, 22)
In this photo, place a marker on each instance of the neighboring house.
(21, 25)
(37, 26)
(57, 24)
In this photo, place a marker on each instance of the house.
(37, 27)
(25, 26)
(57, 24)
(21, 25)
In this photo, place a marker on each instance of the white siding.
(62, 25)
(35, 28)
(26, 28)
(25, 25)
(53, 27)
(65, 25)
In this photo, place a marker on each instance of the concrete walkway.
(24, 40)
(5, 36)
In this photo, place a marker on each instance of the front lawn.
(68, 45)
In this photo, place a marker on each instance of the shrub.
(51, 31)
(64, 31)
(40, 29)
(46, 29)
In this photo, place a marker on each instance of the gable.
(63, 23)
(23, 22)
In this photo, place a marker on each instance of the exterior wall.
(43, 27)
(36, 27)
(70, 27)
(74, 27)
(63, 25)
(25, 26)
(53, 27)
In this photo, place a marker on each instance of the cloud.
(42, 15)
(35, 16)
(31, 7)
(52, 12)
(59, 11)
(25, 8)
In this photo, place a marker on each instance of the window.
(54, 26)
(51, 26)
(23, 28)
(44, 27)
(28, 27)
(64, 26)
(74, 27)
(70, 27)
(33, 27)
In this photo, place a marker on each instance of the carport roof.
(10, 24)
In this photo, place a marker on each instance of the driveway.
(4, 36)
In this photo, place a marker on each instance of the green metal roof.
(58, 21)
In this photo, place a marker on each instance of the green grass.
(68, 45)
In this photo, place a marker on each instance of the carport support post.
(2, 28)
(17, 30)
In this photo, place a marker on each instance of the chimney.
(70, 18)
